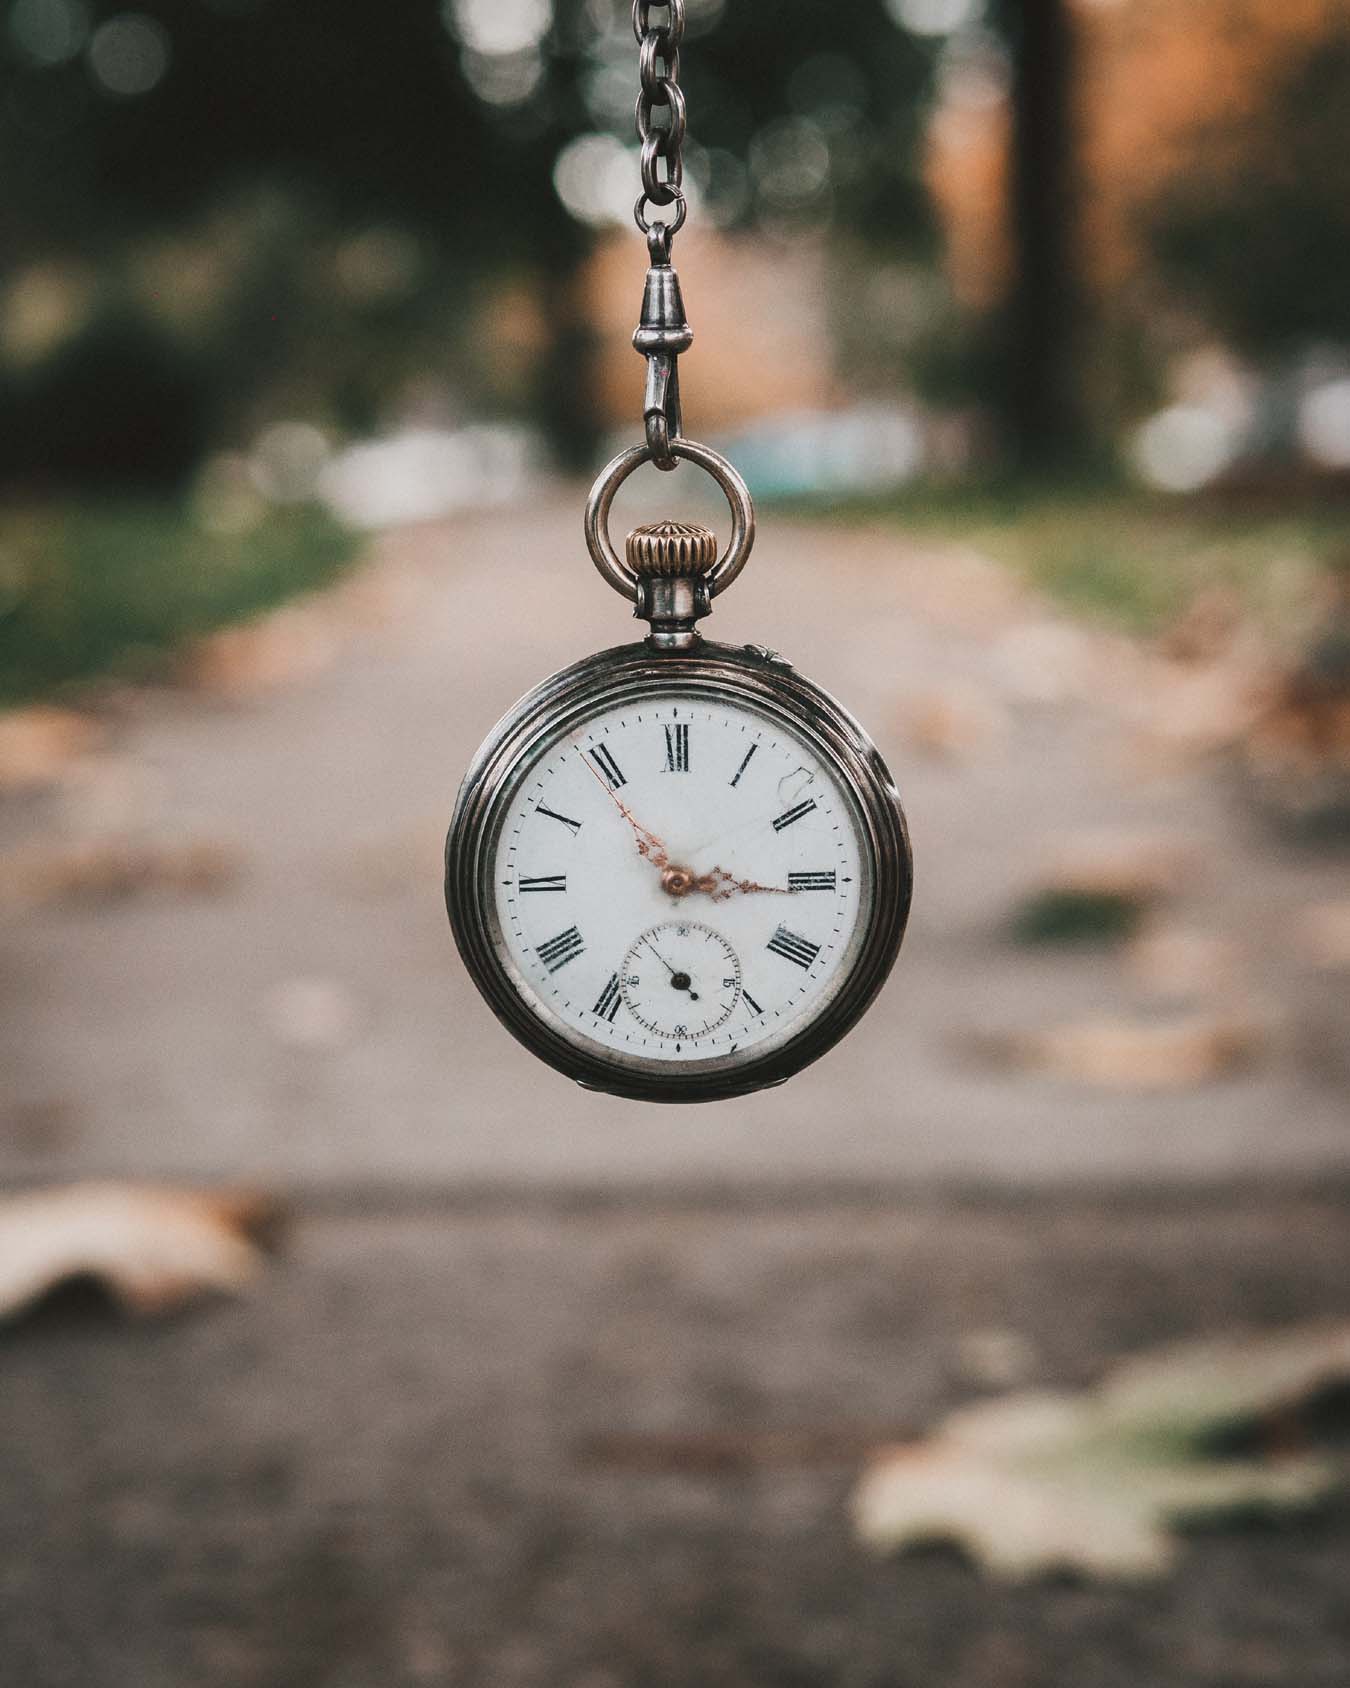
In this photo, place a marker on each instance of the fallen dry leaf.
(102, 869)
(1097, 1482)
(152, 1249)
(1190, 711)
(1131, 1054)
(379, 867)
(1297, 752)
(1208, 1389)
(1137, 867)
(39, 744)
(1182, 963)
(260, 656)
(1323, 935)
(1307, 721)
(1207, 628)
(956, 722)
(1046, 661)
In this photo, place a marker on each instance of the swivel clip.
(661, 335)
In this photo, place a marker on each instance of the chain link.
(662, 142)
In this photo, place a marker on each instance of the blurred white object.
(287, 460)
(499, 27)
(1324, 424)
(1184, 447)
(934, 17)
(866, 449)
(424, 473)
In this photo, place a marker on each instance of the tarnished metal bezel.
(753, 678)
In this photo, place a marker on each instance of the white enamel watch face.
(679, 879)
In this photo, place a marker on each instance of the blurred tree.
(1044, 412)
(1256, 232)
(444, 120)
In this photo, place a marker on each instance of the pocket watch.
(678, 871)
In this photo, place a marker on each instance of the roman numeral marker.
(792, 947)
(794, 814)
(543, 882)
(557, 952)
(607, 766)
(811, 882)
(752, 1004)
(607, 1004)
(745, 763)
(677, 749)
(566, 820)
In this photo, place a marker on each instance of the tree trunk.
(1045, 414)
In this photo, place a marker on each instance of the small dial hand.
(681, 981)
(656, 952)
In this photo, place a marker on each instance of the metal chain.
(659, 70)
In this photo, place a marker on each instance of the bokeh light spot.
(503, 79)
(596, 177)
(935, 17)
(129, 54)
(49, 31)
(790, 161)
(496, 28)
(1324, 424)
(1183, 448)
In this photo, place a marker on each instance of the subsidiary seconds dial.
(681, 980)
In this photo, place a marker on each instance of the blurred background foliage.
(930, 240)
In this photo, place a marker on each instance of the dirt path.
(311, 1024)
(523, 1448)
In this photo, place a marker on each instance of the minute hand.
(649, 845)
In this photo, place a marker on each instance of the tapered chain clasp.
(661, 335)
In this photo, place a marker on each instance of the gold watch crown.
(671, 550)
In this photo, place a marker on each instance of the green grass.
(87, 590)
(1076, 917)
(1125, 556)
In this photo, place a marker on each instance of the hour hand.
(718, 884)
